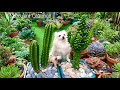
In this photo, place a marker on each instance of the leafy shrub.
(113, 49)
(10, 72)
(5, 53)
(22, 22)
(102, 30)
(26, 34)
(23, 53)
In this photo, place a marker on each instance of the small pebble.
(39, 75)
(44, 75)
(53, 72)
(50, 76)
(48, 72)
(28, 76)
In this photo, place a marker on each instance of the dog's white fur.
(61, 46)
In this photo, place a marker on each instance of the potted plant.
(10, 72)
(113, 52)
(23, 23)
(39, 22)
(5, 53)
(27, 35)
(14, 32)
(79, 41)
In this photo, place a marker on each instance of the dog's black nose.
(63, 37)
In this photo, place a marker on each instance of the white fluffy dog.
(61, 46)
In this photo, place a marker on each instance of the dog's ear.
(56, 33)
(64, 31)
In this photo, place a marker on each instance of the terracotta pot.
(66, 23)
(14, 34)
(22, 74)
(27, 41)
(39, 23)
(103, 74)
(110, 61)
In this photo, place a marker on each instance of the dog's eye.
(59, 35)
(64, 34)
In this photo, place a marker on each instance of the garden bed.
(49, 72)
(83, 72)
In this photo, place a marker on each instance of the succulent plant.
(96, 63)
(116, 67)
(5, 53)
(26, 34)
(115, 75)
(10, 72)
(96, 49)
(79, 40)
(49, 30)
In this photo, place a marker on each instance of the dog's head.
(62, 35)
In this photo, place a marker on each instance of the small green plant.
(5, 53)
(113, 49)
(22, 23)
(34, 55)
(10, 72)
(116, 67)
(115, 75)
(79, 40)
(26, 34)
(102, 30)
(23, 53)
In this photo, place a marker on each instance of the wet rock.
(53, 72)
(28, 76)
(39, 75)
(50, 76)
(48, 72)
(67, 76)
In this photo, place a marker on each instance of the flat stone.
(33, 76)
(66, 73)
(55, 76)
(53, 72)
(32, 71)
(67, 76)
(49, 68)
(50, 76)
(29, 68)
(48, 72)
(39, 75)
(44, 75)
(28, 76)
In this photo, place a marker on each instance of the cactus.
(79, 40)
(49, 29)
(34, 55)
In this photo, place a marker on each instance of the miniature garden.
(27, 38)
